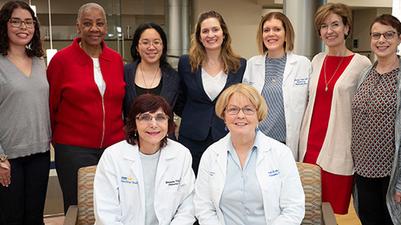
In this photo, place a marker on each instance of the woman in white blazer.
(247, 177)
(146, 179)
(282, 79)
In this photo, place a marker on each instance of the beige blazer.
(335, 155)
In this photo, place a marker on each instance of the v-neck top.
(24, 107)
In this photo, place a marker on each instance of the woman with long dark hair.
(24, 117)
(150, 72)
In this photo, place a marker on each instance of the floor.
(350, 219)
(54, 220)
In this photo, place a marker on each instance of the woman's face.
(211, 34)
(150, 46)
(20, 27)
(384, 40)
(333, 31)
(152, 127)
(240, 115)
(273, 35)
(92, 27)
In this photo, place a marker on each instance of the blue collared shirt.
(242, 201)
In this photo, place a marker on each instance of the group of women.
(244, 124)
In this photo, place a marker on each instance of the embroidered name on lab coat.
(301, 81)
(173, 182)
(128, 180)
(273, 173)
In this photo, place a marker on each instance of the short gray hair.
(90, 5)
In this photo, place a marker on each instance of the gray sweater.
(24, 109)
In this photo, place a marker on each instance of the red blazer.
(79, 115)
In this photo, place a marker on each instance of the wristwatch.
(3, 157)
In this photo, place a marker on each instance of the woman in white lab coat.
(146, 179)
(281, 77)
(247, 177)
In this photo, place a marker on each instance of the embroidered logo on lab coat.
(128, 180)
(273, 173)
(301, 81)
(173, 182)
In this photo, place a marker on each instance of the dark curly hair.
(137, 36)
(34, 47)
(142, 104)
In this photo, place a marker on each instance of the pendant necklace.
(153, 80)
(327, 82)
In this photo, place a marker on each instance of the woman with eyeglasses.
(150, 72)
(376, 128)
(86, 97)
(325, 137)
(146, 179)
(24, 118)
(246, 177)
(209, 69)
(281, 77)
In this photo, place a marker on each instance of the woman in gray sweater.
(24, 117)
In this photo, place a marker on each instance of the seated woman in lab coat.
(146, 179)
(247, 177)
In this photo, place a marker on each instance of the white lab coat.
(276, 171)
(119, 196)
(295, 91)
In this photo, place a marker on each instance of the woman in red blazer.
(86, 94)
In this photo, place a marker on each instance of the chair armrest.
(328, 214)
(71, 216)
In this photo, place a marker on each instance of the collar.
(85, 58)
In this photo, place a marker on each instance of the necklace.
(335, 71)
(153, 80)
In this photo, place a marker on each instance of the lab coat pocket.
(271, 189)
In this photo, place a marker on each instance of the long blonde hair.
(197, 52)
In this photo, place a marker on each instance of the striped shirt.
(274, 125)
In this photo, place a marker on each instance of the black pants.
(197, 148)
(372, 208)
(23, 201)
(68, 160)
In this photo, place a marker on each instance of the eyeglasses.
(147, 43)
(332, 26)
(146, 117)
(387, 35)
(247, 110)
(17, 23)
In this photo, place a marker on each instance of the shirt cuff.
(1, 150)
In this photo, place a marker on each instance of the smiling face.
(152, 131)
(150, 46)
(211, 34)
(241, 124)
(20, 36)
(333, 31)
(384, 47)
(92, 26)
(274, 36)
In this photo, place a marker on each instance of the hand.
(397, 197)
(5, 173)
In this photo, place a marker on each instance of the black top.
(156, 90)
(167, 88)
